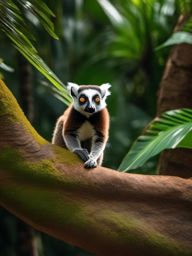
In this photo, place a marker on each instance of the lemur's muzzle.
(90, 109)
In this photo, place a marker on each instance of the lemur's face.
(89, 99)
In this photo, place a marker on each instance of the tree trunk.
(26, 245)
(175, 92)
(100, 210)
(26, 87)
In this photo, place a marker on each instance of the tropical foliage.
(171, 130)
(12, 23)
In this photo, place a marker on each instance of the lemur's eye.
(97, 100)
(82, 99)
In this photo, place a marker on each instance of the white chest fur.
(85, 131)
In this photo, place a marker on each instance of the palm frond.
(168, 131)
(177, 38)
(41, 11)
(5, 66)
(12, 23)
(112, 13)
(136, 24)
(185, 6)
(188, 25)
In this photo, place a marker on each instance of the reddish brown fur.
(72, 120)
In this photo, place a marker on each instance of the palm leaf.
(136, 25)
(173, 129)
(12, 23)
(112, 13)
(5, 66)
(177, 38)
(188, 25)
(185, 6)
(41, 11)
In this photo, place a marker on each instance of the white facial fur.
(71, 87)
(89, 93)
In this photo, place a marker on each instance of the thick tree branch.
(100, 210)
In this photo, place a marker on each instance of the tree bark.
(100, 210)
(26, 87)
(175, 92)
(26, 244)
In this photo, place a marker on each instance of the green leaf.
(185, 6)
(12, 23)
(168, 131)
(112, 13)
(5, 66)
(41, 11)
(177, 38)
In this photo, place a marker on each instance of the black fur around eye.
(82, 99)
(97, 99)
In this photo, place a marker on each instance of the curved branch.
(100, 210)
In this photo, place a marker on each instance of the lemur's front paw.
(82, 153)
(91, 163)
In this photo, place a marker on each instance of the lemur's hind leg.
(100, 159)
(57, 138)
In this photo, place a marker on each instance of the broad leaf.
(168, 131)
(177, 38)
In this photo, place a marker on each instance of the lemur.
(84, 126)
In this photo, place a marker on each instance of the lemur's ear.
(73, 89)
(105, 90)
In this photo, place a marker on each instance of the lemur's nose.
(90, 109)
